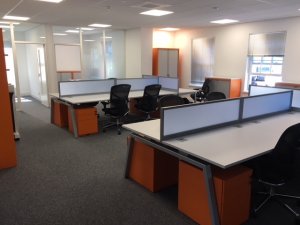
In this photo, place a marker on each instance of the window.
(202, 59)
(265, 70)
(265, 59)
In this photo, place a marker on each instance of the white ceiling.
(125, 14)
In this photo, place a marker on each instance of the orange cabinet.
(231, 87)
(232, 189)
(152, 168)
(86, 120)
(8, 146)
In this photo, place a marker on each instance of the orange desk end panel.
(87, 121)
(8, 157)
(235, 88)
(152, 168)
(232, 189)
(60, 114)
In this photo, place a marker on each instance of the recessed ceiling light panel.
(51, 1)
(72, 31)
(5, 22)
(59, 34)
(21, 18)
(85, 28)
(156, 12)
(169, 29)
(99, 25)
(224, 21)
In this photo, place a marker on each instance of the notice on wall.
(67, 58)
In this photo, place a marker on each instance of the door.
(42, 75)
(32, 72)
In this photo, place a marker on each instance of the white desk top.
(149, 128)
(227, 146)
(103, 97)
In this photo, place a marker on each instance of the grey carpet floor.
(61, 180)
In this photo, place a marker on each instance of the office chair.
(215, 95)
(278, 167)
(202, 92)
(118, 105)
(148, 103)
(170, 100)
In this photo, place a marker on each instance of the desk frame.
(207, 171)
(73, 114)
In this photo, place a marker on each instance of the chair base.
(118, 124)
(273, 195)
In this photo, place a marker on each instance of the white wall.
(146, 51)
(118, 54)
(231, 47)
(133, 53)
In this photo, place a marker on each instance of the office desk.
(223, 147)
(73, 101)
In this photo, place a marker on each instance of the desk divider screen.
(138, 83)
(296, 99)
(171, 83)
(180, 120)
(85, 87)
(148, 76)
(261, 90)
(260, 105)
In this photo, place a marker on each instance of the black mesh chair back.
(215, 95)
(118, 105)
(202, 92)
(148, 103)
(170, 100)
(119, 99)
(278, 167)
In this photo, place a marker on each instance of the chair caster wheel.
(119, 132)
(103, 130)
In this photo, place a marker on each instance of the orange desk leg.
(232, 189)
(60, 114)
(152, 168)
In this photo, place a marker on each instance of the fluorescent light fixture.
(99, 25)
(21, 18)
(4, 26)
(42, 37)
(59, 34)
(224, 21)
(5, 22)
(89, 40)
(51, 1)
(72, 31)
(169, 29)
(85, 28)
(156, 12)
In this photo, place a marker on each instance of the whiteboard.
(67, 58)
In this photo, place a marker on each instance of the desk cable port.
(181, 139)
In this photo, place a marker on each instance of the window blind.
(202, 59)
(267, 44)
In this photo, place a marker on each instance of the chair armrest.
(105, 103)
